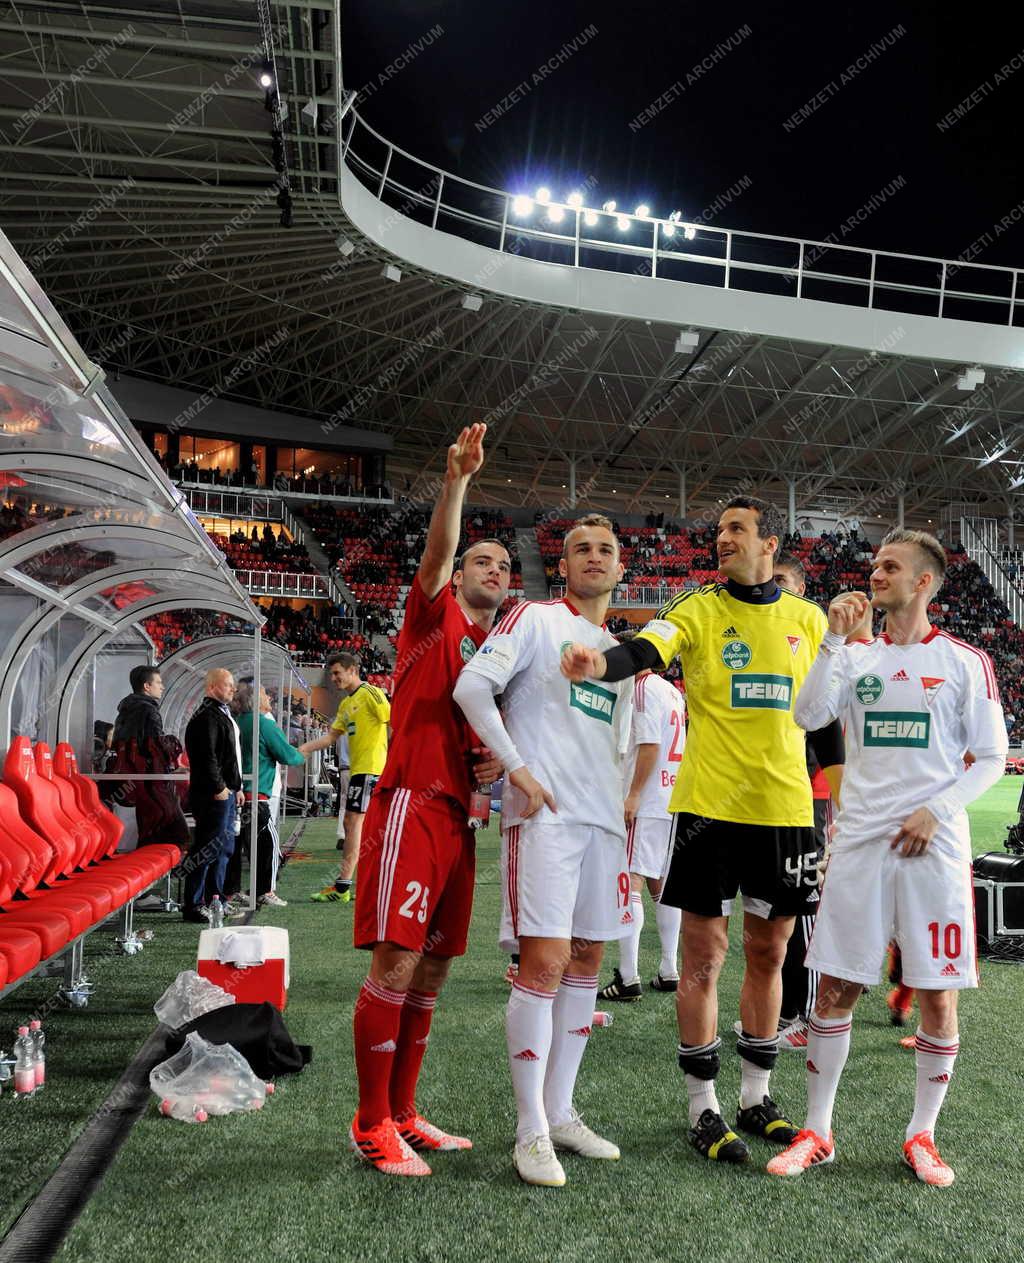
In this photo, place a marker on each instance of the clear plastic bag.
(189, 996)
(205, 1079)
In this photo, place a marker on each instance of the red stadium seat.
(149, 862)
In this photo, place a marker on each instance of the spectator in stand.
(213, 743)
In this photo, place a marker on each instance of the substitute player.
(656, 741)
(364, 713)
(415, 895)
(800, 984)
(914, 701)
(565, 883)
(742, 802)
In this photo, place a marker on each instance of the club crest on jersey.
(592, 700)
(794, 644)
(931, 685)
(908, 729)
(762, 692)
(467, 648)
(736, 655)
(869, 688)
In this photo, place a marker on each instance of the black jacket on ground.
(212, 753)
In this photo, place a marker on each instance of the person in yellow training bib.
(364, 713)
(742, 805)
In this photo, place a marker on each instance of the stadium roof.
(140, 182)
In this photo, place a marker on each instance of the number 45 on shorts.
(803, 869)
(417, 894)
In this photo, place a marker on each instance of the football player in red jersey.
(415, 898)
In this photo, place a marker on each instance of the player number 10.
(950, 939)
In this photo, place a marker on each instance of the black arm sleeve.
(630, 658)
(828, 744)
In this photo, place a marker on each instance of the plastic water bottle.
(5, 1072)
(37, 1038)
(216, 913)
(24, 1067)
(601, 1018)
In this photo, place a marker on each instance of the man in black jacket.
(215, 791)
(140, 745)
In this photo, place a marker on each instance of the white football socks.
(528, 1033)
(629, 947)
(935, 1061)
(828, 1046)
(571, 1018)
(669, 921)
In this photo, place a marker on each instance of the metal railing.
(695, 252)
(313, 491)
(637, 595)
(283, 583)
(244, 504)
(980, 539)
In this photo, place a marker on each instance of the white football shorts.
(925, 902)
(563, 881)
(648, 840)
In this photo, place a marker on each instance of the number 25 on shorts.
(416, 894)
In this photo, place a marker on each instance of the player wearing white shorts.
(914, 701)
(656, 740)
(565, 881)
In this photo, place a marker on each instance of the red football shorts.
(417, 863)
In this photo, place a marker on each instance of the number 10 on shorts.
(948, 936)
(416, 894)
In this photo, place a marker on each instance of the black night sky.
(956, 182)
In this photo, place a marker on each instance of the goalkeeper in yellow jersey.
(742, 805)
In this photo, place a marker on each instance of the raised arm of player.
(465, 457)
(822, 696)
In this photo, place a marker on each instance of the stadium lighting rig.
(522, 206)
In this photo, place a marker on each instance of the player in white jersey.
(656, 740)
(565, 881)
(914, 701)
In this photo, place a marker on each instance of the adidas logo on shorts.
(389, 1045)
(627, 918)
(812, 1068)
(950, 971)
(900, 677)
(424, 1041)
(581, 1030)
(526, 1055)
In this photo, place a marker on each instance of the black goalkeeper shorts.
(774, 868)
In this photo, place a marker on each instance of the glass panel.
(61, 565)
(29, 409)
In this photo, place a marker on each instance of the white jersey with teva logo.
(659, 718)
(570, 736)
(911, 713)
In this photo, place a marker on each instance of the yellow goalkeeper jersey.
(744, 659)
(364, 715)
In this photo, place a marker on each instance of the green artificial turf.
(281, 1183)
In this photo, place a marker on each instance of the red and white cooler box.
(250, 962)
